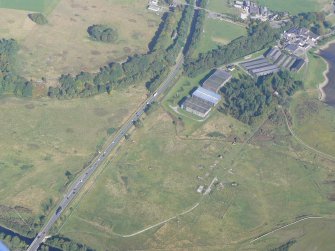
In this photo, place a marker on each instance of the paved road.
(83, 178)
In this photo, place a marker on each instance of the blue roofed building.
(207, 95)
(201, 102)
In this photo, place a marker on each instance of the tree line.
(260, 36)
(196, 27)
(246, 98)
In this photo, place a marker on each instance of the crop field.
(44, 6)
(63, 46)
(217, 32)
(295, 6)
(45, 138)
(154, 176)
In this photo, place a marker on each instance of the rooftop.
(216, 80)
(207, 95)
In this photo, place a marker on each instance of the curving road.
(83, 178)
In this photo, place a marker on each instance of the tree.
(38, 18)
(102, 33)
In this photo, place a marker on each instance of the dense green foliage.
(316, 21)
(150, 67)
(10, 81)
(259, 37)
(38, 18)
(102, 33)
(246, 99)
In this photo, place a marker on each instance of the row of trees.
(13, 242)
(196, 27)
(64, 243)
(260, 36)
(139, 68)
(246, 99)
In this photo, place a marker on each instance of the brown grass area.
(15, 24)
(63, 46)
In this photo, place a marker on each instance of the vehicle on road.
(59, 209)
(155, 94)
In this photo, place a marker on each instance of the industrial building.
(272, 61)
(217, 80)
(201, 102)
(260, 67)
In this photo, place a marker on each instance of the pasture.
(155, 174)
(45, 138)
(222, 6)
(63, 46)
(217, 32)
(295, 6)
(44, 6)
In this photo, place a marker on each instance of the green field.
(44, 139)
(295, 6)
(44, 6)
(222, 6)
(154, 176)
(311, 234)
(217, 32)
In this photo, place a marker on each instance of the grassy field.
(45, 138)
(222, 6)
(312, 73)
(217, 32)
(154, 176)
(63, 46)
(44, 6)
(312, 234)
(295, 6)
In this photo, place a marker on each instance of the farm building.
(216, 80)
(201, 102)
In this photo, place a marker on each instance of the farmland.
(30, 5)
(222, 6)
(217, 32)
(138, 190)
(63, 46)
(45, 138)
(295, 6)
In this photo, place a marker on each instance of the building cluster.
(298, 40)
(205, 97)
(153, 5)
(252, 10)
(273, 61)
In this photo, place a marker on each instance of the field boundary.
(287, 225)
